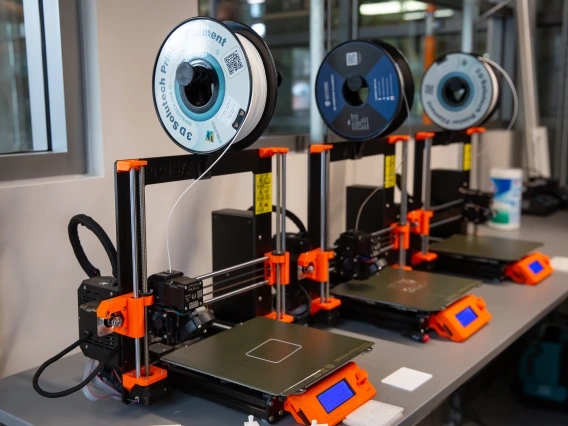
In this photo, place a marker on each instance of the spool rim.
(197, 18)
(496, 88)
(271, 83)
(379, 45)
(405, 75)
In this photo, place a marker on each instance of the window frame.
(62, 95)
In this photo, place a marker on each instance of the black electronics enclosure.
(379, 212)
(237, 239)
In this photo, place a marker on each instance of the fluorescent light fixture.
(390, 7)
(444, 13)
(255, 1)
(259, 28)
(415, 16)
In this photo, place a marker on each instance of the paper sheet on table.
(374, 413)
(407, 379)
(559, 263)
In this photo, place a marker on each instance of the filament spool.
(459, 91)
(214, 84)
(361, 88)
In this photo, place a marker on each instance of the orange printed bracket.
(397, 266)
(530, 270)
(129, 379)
(283, 317)
(270, 268)
(422, 136)
(417, 258)
(270, 152)
(319, 148)
(398, 230)
(474, 130)
(392, 139)
(315, 264)
(330, 305)
(462, 319)
(130, 310)
(350, 381)
(127, 165)
(422, 218)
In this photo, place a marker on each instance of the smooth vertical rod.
(326, 211)
(135, 276)
(403, 201)
(278, 206)
(143, 266)
(426, 177)
(323, 227)
(278, 293)
(283, 239)
(283, 195)
(278, 235)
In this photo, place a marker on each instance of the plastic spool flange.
(459, 91)
(359, 89)
(202, 85)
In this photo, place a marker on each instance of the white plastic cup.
(507, 185)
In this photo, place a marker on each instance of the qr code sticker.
(234, 63)
(429, 89)
(352, 59)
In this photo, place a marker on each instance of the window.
(285, 26)
(41, 120)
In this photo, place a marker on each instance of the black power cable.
(290, 215)
(94, 373)
(95, 228)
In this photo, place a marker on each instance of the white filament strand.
(252, 118)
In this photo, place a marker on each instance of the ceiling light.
(390, 7)
(415, 16)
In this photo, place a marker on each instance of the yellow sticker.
(466, 157)
(390, 177)
(263, 193)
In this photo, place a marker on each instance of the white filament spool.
(259, 89)
(225, 100)
(459, 91)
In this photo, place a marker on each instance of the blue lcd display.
(536, 267)
(335, 396)
(466, 317)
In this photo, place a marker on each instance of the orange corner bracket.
(473, 130)
(270, 152)
(319, 148)
(127, 165)
(397, 138)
